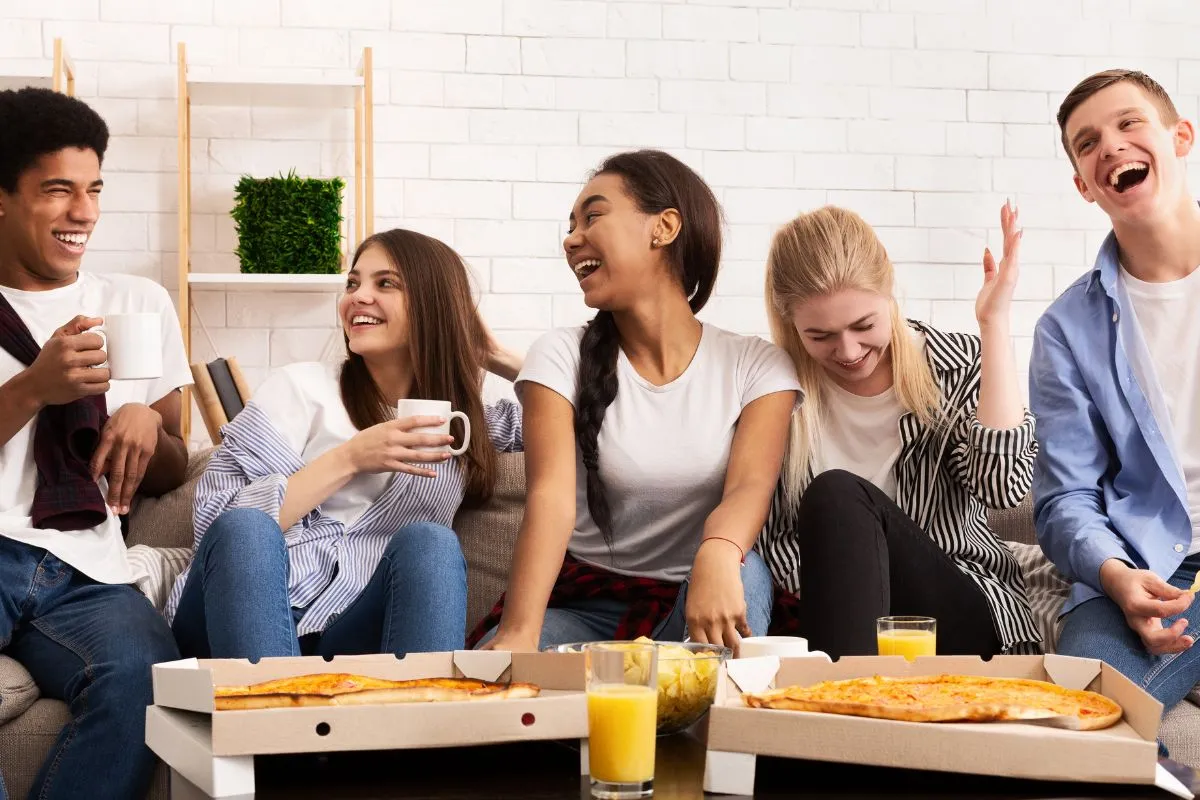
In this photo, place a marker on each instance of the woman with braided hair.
(653, 440)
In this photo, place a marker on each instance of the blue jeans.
(596, 620)
(235, 602)
(90, 645)
(1097, 629)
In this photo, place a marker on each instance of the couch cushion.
(26, 741)
(1046, 588)
(17, 689)
(487, 536)
(1180, 732)
(1014, 524)
(167, 521)
(157, 568)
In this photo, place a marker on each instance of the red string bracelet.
(741, 552)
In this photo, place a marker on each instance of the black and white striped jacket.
(947, 476)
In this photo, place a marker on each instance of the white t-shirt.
(310, 392)
(100, 552)
(1168, 315)
(860, 435)
(663, 449)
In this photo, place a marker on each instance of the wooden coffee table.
(544, 770)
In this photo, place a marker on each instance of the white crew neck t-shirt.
(663, 449)
(1168, 316)
(860, 435)
(99, 552)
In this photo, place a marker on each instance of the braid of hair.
(597, 390)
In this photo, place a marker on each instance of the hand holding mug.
(409, 407)
(399, 446)
(68, 367)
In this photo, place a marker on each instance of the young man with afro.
(75, 447)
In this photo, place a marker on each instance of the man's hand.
(1146, 601)
(68, 367)
(127, 444)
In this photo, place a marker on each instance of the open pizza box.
(1125, 753)
(214, 750)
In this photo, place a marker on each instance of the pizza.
(946, 698)
(343, 689)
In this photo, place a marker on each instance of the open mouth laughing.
(585, 267)
(1124, 177)
(850, 366)
(361, 322)
(74, 242)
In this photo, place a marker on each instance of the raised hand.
(995, 296)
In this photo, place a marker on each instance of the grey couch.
(487, 535)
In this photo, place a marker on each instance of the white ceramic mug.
(781, 646)
(436, 408)
(133, 344)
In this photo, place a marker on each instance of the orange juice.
(621, 732)
(907, 643)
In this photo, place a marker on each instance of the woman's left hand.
(995, 296)
(716, 604)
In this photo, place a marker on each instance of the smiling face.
(1128, 160)
(374, 308)
(610, 246)
(45, 224)
(847, 333)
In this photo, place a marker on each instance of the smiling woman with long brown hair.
(322, 522)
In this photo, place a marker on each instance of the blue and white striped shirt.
(334, 549)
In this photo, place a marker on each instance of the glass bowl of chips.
(687, 679)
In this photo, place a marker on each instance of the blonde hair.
(818, 253)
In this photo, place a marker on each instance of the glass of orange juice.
(906, 636)
(622, 699)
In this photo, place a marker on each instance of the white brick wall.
(923, 115)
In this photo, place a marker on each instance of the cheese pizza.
(342, 689)
(946, 698)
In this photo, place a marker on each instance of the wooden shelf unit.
(273, 88)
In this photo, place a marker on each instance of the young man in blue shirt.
(1115, 387)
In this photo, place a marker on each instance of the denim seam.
(1166, 661)
(73, 730)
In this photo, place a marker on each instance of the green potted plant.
(289, 224)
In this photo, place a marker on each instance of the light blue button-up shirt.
(1106, 482)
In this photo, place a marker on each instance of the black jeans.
(862, 558)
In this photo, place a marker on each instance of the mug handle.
(103, 334)
(466, 442)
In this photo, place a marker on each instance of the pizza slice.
(343, 689)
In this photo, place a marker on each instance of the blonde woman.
(907, 436)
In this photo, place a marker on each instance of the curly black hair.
(34, 122)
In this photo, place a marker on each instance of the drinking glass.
(622, 699)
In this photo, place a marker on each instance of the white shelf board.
(271, 88)
(17, 74)
(289, 283)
